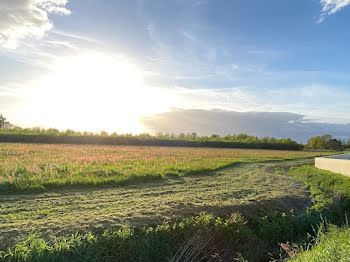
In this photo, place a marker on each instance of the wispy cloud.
(12, 89)
(27, 18)
(189, 36)
(42, 53)
(73, 36)
(265, 52)
(199, 3)
(330, 7)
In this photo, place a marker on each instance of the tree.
(103, 133)
(215, 137)
(325, 142)
(193, 135)
(335, 144)
(347, 144)
(3, 123)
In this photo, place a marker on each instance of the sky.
(128, 65)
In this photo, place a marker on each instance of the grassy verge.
(38, 168)
(331, 204)
(332, 246)
(330, 192)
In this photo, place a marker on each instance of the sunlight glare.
(94, 92)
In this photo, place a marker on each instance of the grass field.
(33, 167)
(53, 200)
(247, 188)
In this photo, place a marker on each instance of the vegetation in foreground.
(244, 236)
(161, 243)
(331, 246)
(331, 198)
(35, 167)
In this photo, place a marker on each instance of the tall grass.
(331, 200)
(33, 167)
(331, 246)
(158, 243)
(330, 191)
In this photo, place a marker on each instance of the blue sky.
(243, 55)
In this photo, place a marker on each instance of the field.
(244, 188)
(105, 203)
(33, 167)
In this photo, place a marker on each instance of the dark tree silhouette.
(4, 123)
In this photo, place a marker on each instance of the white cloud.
(330, 7)
(27, 18)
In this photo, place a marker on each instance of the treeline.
(55, 136)
(327, 142)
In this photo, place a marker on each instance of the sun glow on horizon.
(93, 92)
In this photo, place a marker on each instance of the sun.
(94, 92)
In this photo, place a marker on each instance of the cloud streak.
(27, 18)
(330, 7)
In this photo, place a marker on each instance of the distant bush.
(54, 136)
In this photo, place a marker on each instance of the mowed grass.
(33, 167)
(246, 188)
